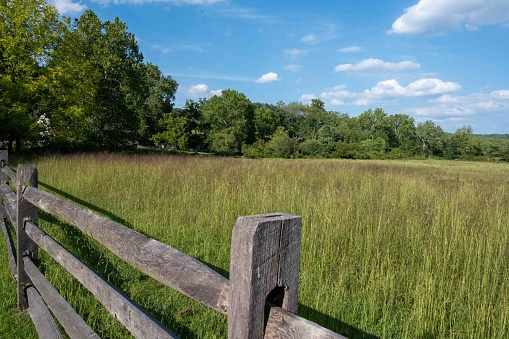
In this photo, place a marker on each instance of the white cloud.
(350, 49)
(66, 7)
(307, 97)
(388, 90)
(293, 68)
(336, 102)
(269, 77)
(309, 38)
(422, 87)
(440, 16)
(164, 50)
(295, 52)
(493, 101)
(218, 92)
(376, 65)
(198, 90)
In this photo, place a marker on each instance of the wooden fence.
(260, 300)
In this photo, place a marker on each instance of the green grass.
(391, 249)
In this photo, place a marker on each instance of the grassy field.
(390, 249)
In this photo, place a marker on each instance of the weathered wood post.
(4, 161)
(264, 266)
(26, 176)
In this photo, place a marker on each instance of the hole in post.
(275, 298)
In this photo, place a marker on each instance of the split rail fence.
(260, 300)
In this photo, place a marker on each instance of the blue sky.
(440, 60)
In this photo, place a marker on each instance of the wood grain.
(41, 316)
(72, 323)
(140, 323)
(8, 193)
(264, 256)
(160, 261)
(284, 324)
(11, 249)
(27, 176)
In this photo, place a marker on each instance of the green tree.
(281, 145)
(374, 124)
(159, 100)
(29, 30)
(181, 127)
(229, 120)
(402, 134)
(462, 144)
(431, 137)
(98, 84)
(266, 120)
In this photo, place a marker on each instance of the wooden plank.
(41, 317)
(283, 324)
(11, 250)
(4, 161)
(8, 193)
(264, 259)
(160, 261)
(72, 323)
(12, 214)
(27, 176)
(10, 173)
(140, 323)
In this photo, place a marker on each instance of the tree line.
(83, 84)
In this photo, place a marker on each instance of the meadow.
(390, 249)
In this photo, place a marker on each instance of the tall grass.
(389, 249)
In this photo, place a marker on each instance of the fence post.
(4, 161)
(264, 266)
(26, 176)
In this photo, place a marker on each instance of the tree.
(29, 30)
(281, 145)
(462, 144)
(266, 120)
(180, 127)
(99, 84)
(432, 138)
(159, 99)
(374, 124)
(230, 114)
(402, 132)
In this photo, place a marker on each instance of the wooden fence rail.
(260, 300)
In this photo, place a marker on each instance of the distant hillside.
(493, 136)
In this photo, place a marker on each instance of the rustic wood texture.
(264, 255)
(7, 192)
(283, 324)
(160, 261)
(11, 250)
(4, 161)
(41, 317)
(140, 323)
(12, 214)
(10, 174)
(72, 323)
(26, 176)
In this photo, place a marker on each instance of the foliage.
(229, 119)
(29, 30)
(82, 84)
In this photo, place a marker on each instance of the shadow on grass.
(334, 325)
(91, 253)
(85, 204)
